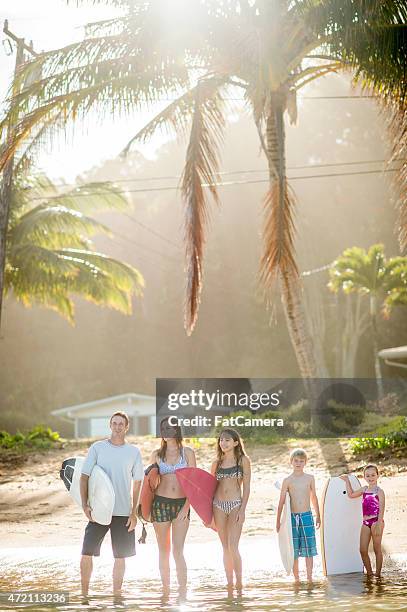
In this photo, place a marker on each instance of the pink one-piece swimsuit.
(370, 507)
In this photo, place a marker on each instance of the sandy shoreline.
(35, 509)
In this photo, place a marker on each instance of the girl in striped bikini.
(232, 471)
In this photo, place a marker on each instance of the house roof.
(399, 352)
(129, 397)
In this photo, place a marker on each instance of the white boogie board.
(340, 528)
(285, 535)
(101, 496)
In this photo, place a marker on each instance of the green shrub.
(376, 424)
(40, 432)
(297, 419)
(340, 419)
(38, 437)
(393, 439)
(299, 411)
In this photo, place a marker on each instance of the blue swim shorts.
(303, 534)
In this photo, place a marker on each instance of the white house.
(91, 420)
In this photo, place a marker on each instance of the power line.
(149, 229)
(226, 183)
(146, 248)
(230, 183)
(230, 172)
(297, 178)
(315, 270)
(140, 258)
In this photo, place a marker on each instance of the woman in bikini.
(170, 510)
(232, 471)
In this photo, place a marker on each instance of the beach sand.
(36, 510)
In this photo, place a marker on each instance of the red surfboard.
(199, 487)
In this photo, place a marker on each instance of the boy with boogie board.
(301, 489)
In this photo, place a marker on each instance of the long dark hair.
(162, 451)
(238, 450)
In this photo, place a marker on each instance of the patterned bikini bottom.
(166, 508)
(228, 505)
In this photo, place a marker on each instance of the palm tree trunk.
(279, 226)
(7, 184)
(301, 341)
(373, 318)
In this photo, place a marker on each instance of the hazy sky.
(51, 24)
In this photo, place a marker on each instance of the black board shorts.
(123, 541)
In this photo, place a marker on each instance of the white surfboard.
(340, 528)
(101, 496)
(285, 535)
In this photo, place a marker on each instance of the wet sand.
(36, 510)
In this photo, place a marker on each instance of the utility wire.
(146, 248)
(230, 172)
(315, 270)
(229, 183)
(149, 229)
(127, 239)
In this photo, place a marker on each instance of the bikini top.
(170, 468)
(235, 471)
(370, 503)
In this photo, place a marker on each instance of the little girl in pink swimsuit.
(373, 504)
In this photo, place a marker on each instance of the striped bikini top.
(170, 468)
(235, 471)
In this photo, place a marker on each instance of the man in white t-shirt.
(122, 463)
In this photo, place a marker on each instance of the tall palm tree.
(197, 52)
(50, 258)
(368, 273)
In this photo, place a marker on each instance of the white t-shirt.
(122, 463)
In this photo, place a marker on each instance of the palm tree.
(50, 258)
(197, 52)
(368, 273)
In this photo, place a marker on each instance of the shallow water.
(266, 586)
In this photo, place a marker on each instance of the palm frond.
(94, 196)
(52, 278)
(117, 96)
(368, 273)
(173, 119)
(126, 278)
(278, 235)
(201, 168)
(278, 232)
(49, 259)
(42, 221)
(304, 77)
(370, 36)
(33, 257)
(396, 119)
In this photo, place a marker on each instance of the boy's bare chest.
(299, 488)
